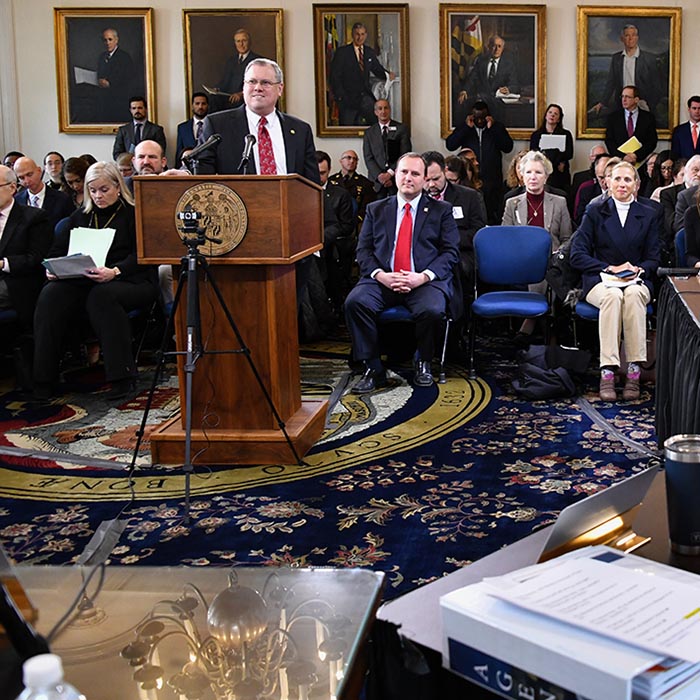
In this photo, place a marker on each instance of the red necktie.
(402, 254)
(630, 125)
(695, 135)
(267, 157)
(361, 59)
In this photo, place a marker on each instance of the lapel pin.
(425, 210)
(291, 131)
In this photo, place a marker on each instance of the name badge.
(457, 212)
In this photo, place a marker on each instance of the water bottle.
(43, 680)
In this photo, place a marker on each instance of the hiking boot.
(631, 390)
(607, 388)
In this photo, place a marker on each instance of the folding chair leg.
(441, 377)
(472, 343)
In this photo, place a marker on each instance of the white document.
(648, 610)
(94, 242)
(85, 75)
(457, 213)
(554, 142)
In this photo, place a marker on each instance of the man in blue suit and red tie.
(407, 250)
(685, 139)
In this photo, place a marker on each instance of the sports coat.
(348, 83)
(57, 205)
(682, 141)
(468, 211)
(435, 240)
(185, 138)
(601, 240)
(232, 126)
(685, 199)
(124, 141)
(645, 131)
(25, 242)
(556, 216)
(668, 199)
(379, 158)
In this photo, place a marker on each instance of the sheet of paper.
(94, 242)
(653, 612)
(553, 142)
(84, 75)
(632, 145)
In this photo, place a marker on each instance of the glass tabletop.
(151, 633)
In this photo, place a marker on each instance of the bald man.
(358, 186)
(56, 204)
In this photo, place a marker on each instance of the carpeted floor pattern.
(412, 482)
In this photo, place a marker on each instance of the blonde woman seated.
(616, 248)
(535, 207)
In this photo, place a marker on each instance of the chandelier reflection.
(284, 643)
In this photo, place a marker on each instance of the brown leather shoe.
(607, 389)
(631, 390)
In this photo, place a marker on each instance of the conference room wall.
(28, 74)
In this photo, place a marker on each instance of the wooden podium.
(231, 420)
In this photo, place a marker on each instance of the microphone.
(209, 143)
(678, 271)
(247, 150)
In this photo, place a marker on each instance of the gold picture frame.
(94, 81)
(210, 49)
(464, 34)
(599, 75)
(349, 113)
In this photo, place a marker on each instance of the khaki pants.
(623, 312)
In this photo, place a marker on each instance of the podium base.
(229, 446)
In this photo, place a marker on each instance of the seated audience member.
(106, 293)
(125, 164)
(553, 125)
(582, 176)
(74, 170)
(11, 157)
(338, 234)
(53, 166)
(677, 177)
(468, 211)
(670, 197)
(36, 194)
(646, 170)
(661, 174)
(535, 207)
(456, 171)
(605, 182)
(407, 250)
(88, 158)
(691, 223)
(514, 180)
(590, 190)
(619, 237)
(25, 238)
(359, 187)
(473, 179)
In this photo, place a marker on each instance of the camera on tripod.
(190, 220)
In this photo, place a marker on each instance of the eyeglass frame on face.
(349, 158)
(265, 84)
(7, 184)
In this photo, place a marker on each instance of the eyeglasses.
(349, 158)
(666, 167)
(266, 84)
(7, 184)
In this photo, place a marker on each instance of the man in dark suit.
(406, 252)
(468, 211)
(493, 73)
(137, 130)
(582, 176)
(292, 141)
(116, 79)
(358, 186)
(25, 239)
(644, 68)
(685, 199)
(382, 145)
(191, 132)
(630, 121)
(350, 72)
(231, 85)
(57, 205)
(489, 139)
(685, 139)
(669, 200)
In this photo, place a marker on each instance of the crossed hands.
(402, 282)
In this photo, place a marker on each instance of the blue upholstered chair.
(508, 256)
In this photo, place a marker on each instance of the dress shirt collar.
(5, 215)
(401, 202)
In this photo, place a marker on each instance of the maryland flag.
(466, 45)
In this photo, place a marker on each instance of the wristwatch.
(116, 271)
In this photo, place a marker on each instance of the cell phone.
(624, 274)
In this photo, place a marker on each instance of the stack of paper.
(594, 624)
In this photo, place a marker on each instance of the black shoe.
(121, 388)
(423, 375)
(372, 379)
(42, 391)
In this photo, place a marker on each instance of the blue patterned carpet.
(415, 483)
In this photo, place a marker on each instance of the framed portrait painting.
(650, 37)
(361, 54)
(219, 45)
(103, 57)
(495, 54)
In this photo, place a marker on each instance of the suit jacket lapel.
(521, 210)
(288, 137)
(614, 228)
(548, 205)
(422, 211)
(10, 227)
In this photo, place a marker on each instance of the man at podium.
(283, 143)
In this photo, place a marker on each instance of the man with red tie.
(406, 253)
(685, 139)
(631, 121)
(283, 143)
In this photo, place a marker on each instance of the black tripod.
(190, 265)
